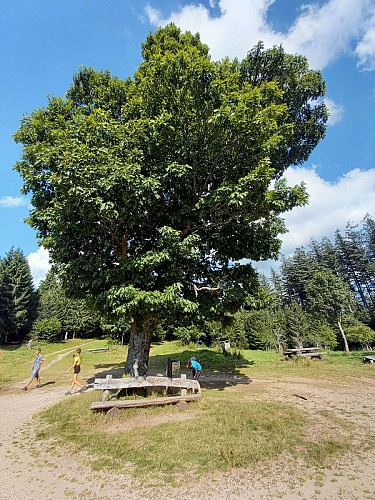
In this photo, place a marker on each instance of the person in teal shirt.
(195, 366)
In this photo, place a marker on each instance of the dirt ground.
(30, 471)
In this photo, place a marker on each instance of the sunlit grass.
(223, 431)
(16, 361)
(219, 438)
(264, 364)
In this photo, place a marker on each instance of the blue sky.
(44, 42)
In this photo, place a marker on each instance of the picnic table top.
(150, 381)
(303, 349)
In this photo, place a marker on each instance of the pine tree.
(297, 323)
(357, 267)
(8, 327)
(331, 301)
(73, 315)
(369, 237)
(296, 271)
(17, 272)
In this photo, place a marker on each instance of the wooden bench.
(109, 384)
(98, 349)
(369, 359)
(139, 403)
(305, 352)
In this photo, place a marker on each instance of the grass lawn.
(229, 428)
(217, 433)
(16, 361)
(264, 364)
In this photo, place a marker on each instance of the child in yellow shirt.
(76, 366)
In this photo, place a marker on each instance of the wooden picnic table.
(109, 384)
(306, 352)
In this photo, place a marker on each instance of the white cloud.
(336, 111)
(325, 31)
(238, 29)
(322, 31)
(331, 206)
(39, 264)
(13, 202)
(365, 49)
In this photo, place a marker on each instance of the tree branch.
(206, 288)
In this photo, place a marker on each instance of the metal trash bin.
(173, 368)
(225, 345)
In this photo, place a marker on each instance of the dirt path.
(29, 471)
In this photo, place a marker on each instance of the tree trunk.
(141, 332)
(343, 336)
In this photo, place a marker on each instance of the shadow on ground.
(104, 369)
(51, 382)
(220, 370)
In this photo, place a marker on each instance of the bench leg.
(105, 396)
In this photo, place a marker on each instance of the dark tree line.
(61, 317)
(350, 258)
(326, 293)
(322, 295)
(46, 314)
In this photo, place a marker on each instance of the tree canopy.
(152, 194)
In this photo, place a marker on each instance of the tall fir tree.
(74, 316)
(17, 273)
(296, 271)
(8, 327)
(357, 268)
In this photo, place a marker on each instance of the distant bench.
(369, 359)
(98, 349)
(109, 384)
(305, 352)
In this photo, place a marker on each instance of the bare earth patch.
(336, 408)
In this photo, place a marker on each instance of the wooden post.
(106, 391)
(183, 391)
(169, 368)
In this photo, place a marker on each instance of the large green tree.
(150, 193)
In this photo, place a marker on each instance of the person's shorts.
(77, 369)
(35, 374)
